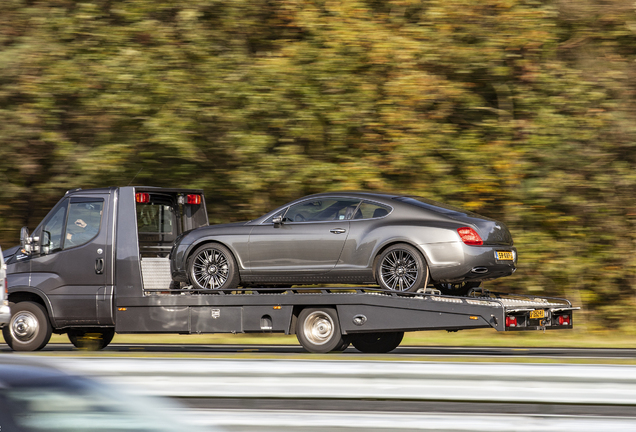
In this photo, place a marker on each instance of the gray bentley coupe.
(401, 243)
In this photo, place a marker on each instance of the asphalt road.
(402, 352)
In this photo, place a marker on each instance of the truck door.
(75, 271)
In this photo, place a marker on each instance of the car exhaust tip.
(479, 270)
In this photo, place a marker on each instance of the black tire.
(318, 330)
(458, 289)
(377, 343)
(91, 339)
(346, 341)
(401, 267)
(29, 328)
(212, 266)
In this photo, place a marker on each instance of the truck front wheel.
(29, 328)
(91, 339)
(318, 330)
(377, 343)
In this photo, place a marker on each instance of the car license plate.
(536, 314)
(504, 256)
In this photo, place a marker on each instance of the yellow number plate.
(504, 256)
(539, 313)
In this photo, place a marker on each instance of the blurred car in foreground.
(36, 397)
(5, 311)
(401, 243)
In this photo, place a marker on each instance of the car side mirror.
(278, 221)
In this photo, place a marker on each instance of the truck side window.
(83, 222)
(54, 227)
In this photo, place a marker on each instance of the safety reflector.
(511, 321)
(142, 198)
(194, 199)
(564, 320)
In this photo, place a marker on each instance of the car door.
(308, 241)
(73, 268)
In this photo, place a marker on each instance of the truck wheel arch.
(20, 294)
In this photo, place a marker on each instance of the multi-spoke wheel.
(29, 328)
(212, 266)
(401, 268)
(318, 330)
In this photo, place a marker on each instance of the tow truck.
(98, 264)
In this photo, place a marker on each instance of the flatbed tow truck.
(98, 264)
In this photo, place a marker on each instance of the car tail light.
(469, 236)
(564, 320)
(142, 198)
(193, 199)
(511, 321)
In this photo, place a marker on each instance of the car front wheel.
(401, 268)
(212, 266)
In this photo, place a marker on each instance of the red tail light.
(193, 199)
(511, 321)
(564, 320)
(469, 236)
(142, 198)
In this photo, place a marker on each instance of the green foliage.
(520, 110)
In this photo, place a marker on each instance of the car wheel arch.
(394, 242)
(194, 246)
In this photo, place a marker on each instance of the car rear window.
(435, 206)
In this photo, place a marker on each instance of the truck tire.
(212, 266)
(29, 328)
(401, 268)
(377, 343)
(91, 339)
(318, 330)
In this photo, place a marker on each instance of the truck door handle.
(338, 230)
(99, 265)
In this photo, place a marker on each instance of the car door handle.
(99, 265)
(338, 230)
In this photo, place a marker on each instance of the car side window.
(83, 222)
(54, 227)
(323, 209)
(369, 210)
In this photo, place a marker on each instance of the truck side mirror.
(45, 245)
(278, 220)
(25, 241)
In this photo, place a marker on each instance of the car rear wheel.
(91, 339)
(29, 328)
(401, 268)
(212, 266)
(318, 330)
(377, 342)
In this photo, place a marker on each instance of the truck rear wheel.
(91, 339)
(29, 328)
(377, 343)
(318, 330)
(212, 266)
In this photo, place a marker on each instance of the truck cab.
(92, 244)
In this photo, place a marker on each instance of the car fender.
(236, 243)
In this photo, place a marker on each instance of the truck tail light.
(511, 321)
(564, 320)
(469, 236)
(142, 198)
(193, 199)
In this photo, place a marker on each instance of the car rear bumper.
(457, 262)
